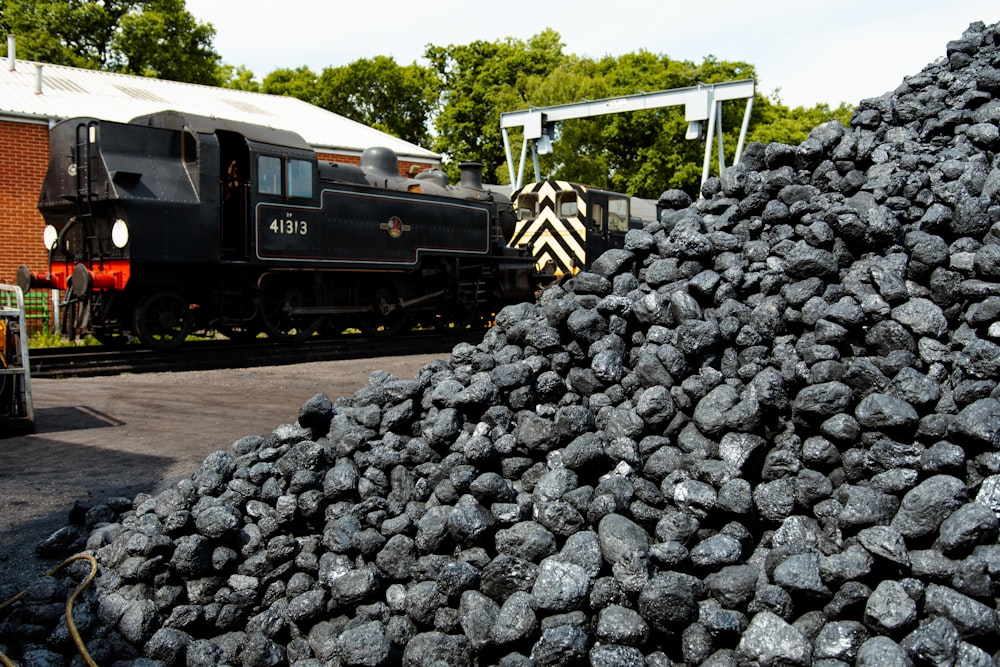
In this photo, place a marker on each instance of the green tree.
(148, 37)
(773, 121)
(378, 92)
(480, 80)
(300, 82)
(238, 78)
(165, 41)
(64, 32)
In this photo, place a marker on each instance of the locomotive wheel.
(276, 302)
(385, 318)
(163, 320)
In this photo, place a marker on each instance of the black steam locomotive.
(175, 223)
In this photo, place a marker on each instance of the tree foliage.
(773, 121)
(393, 98)
(480, 79)
(299, 82)
(157, 38)
(238, 78)
(162, 39)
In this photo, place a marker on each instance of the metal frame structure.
(17, 416)
(701, 103)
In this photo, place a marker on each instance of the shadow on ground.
(55, 420)
(41, 478)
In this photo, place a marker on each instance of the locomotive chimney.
(472, 175)
(11, 56)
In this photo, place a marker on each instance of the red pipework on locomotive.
(112, 274)
(108, 275)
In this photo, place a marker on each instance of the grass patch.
(50, 340)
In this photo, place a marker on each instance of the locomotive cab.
(113, 214)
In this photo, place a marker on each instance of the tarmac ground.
(97, 438)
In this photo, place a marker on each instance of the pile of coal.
(765, 432)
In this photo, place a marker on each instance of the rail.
(94, 361)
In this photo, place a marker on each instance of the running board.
(351, 310)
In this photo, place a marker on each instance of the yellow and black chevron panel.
(552, 225)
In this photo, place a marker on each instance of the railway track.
(95, 361)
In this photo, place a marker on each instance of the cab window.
(269, 175)
(299, 178)
(566, 204)
(597, 218)
(527, 206)
(618, 214)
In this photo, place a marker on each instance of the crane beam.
(701, 105)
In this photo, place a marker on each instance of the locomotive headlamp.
(119, 233)
(50, 237)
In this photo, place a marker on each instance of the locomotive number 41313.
(289, 226)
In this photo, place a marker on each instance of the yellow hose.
(70, 623)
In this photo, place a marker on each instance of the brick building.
(34, 96)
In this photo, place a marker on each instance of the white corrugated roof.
(68, 92)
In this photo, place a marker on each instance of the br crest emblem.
(395, 227)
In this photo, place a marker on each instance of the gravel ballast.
(765, 432)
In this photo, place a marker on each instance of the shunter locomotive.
(566, 226)
(175, 223)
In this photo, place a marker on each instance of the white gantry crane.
(702, 104)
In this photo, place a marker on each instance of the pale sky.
(809, 51)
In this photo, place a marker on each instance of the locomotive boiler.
(175, 223)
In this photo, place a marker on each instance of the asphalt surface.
(97, 438)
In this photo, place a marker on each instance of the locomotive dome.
(380, 160)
